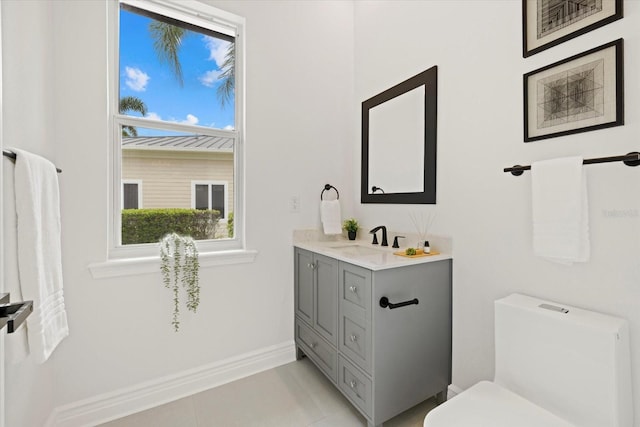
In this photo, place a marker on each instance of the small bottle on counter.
(427, 248)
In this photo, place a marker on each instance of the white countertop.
(364, 254)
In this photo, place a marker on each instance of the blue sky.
(142, 75)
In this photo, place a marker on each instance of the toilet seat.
(487, 404)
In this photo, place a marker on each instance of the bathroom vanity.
(384, 360)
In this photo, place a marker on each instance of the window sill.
(146, 265)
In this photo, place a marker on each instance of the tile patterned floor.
(291, 395)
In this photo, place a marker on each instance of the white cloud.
(190, 120)
(136, 79)
(210, 77)
(227, 127)
(217, 49)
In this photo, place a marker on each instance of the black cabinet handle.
(384, 303)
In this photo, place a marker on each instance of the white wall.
(299, 115)
(28, 123)
(477, 48)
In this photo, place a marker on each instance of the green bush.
(150, 225)
(230, 225)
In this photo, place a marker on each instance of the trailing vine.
(179, 266)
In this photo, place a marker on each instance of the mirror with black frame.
(399, 142)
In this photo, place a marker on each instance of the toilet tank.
(575, 363)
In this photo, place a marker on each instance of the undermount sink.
(358, 250)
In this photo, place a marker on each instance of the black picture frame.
(568, 22)
(582, 93)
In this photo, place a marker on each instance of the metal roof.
(181, 143)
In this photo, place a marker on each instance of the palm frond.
(132, 103)
(228, 76)
(167, 40)
(129, 131)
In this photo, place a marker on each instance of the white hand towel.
(16, 345)
(39, 252)
(330, 216)
(560, 210)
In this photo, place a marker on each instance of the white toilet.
(556, 366)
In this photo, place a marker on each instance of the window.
(177, 113)
(132, 194)
(210, 195)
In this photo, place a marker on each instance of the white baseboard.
(127, 401)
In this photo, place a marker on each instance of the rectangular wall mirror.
(399, 142)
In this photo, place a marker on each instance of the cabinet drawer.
(355, 287)
(317, 349)
(355, 340)
(356, 386)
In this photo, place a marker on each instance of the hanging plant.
(179, 266)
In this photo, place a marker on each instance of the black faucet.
(384, 235)
(395, 241)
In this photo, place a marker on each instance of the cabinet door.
(303, 284)
(326, 298)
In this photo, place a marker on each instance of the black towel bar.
(629, 159)
(12, 156)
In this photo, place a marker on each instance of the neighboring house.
(178, 172)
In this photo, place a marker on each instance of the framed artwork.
(578, 94)
(546, 23)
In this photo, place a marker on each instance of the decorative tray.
(419, 253)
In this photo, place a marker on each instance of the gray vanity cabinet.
(384, 360)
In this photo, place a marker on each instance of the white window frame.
(209, 183)
(207, 17)
(138, 182)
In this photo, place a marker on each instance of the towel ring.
(329, 187)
